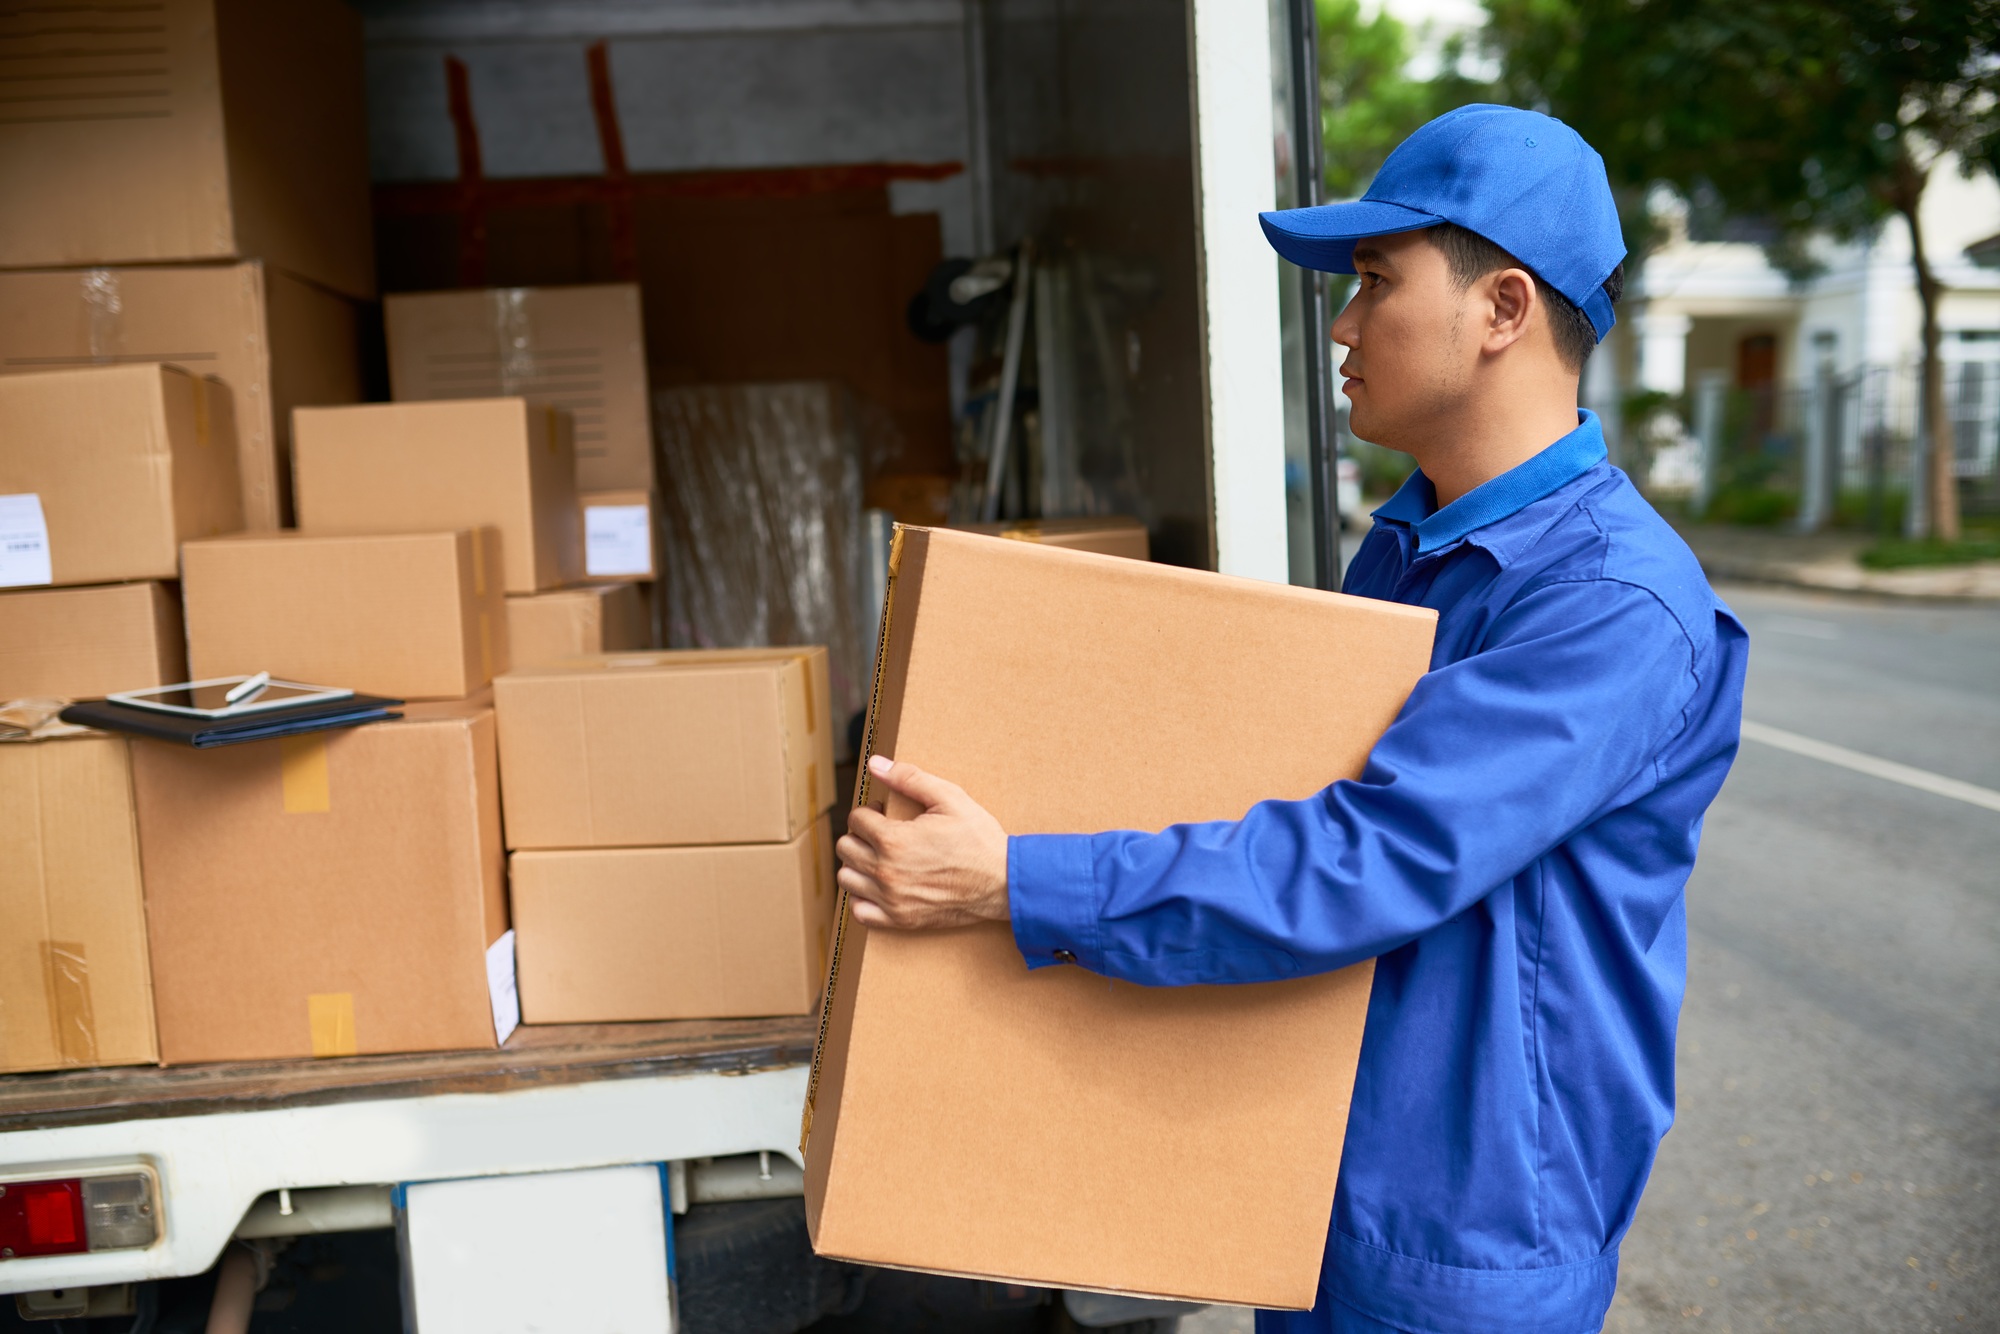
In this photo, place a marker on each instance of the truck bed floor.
(533, 1057)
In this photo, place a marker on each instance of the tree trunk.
(1941, 472)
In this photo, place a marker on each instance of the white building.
(1716, 315)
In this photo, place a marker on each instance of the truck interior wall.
(736, 288)
(791, 174)
(758, 152)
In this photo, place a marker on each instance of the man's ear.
(1514, 299)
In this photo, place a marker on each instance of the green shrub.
(1751, 505)
(1899, 554)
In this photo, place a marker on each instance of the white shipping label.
(617, 540)
(24, 542)
(500, 986)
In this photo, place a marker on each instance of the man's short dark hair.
(1471, 257)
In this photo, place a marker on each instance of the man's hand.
(947, 867)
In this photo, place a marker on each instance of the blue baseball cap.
(1526, 182)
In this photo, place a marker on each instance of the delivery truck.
(1073, 190)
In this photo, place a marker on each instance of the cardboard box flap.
(1194, 1132)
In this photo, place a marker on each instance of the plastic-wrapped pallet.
(761, 506)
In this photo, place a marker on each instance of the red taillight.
(67, 1215)
(42, 1218)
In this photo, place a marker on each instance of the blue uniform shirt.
(1515, 854)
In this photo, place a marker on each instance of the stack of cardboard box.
(206, 206)
(190, 489)
(373, 856)
(104, 472)
(340, 893)
(667, 815)
(182, 250)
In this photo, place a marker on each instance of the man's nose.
(1347, 327)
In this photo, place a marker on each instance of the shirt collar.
(1415, 502)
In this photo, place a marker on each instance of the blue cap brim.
(1323, 237)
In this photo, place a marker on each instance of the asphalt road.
(1833, 1166)
(1836, 1162)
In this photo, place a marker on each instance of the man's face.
(1408, 357)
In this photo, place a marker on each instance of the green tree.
(1808, 115)
(1368, 102)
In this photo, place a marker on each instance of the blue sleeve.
(1493, 761)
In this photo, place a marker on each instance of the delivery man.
(1516, 851)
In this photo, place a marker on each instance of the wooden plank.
(534, 1057)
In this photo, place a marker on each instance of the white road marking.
(1828, 753)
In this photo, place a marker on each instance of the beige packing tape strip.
(101, 297)
(302, 767)
(330, 1015)
(72, 1023)
(513, 339)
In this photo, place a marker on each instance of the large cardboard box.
(275, 340)
(409, 615)
(80, 643)
(122, 464)
(1110, 535)
(187, 130)
(328, 894)
(579, 348)
(661, 749)
(609, 934)
(1055, 1127)
(74, 984)
(416, 467)
(546, 628)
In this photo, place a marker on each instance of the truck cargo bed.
(534, 1057)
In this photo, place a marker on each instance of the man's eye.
(1373, 280)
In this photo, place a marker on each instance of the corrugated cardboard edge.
(1206, 1298)
(840, 914)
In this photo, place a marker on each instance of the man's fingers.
(869, 825)
(859, 853)
(868, 914)
(860, 886)
(926, 789)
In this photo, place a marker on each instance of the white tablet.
(210, 699)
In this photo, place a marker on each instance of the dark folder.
(202, 733)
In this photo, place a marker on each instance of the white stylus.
(247, 689)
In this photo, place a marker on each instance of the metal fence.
(1842, 448)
